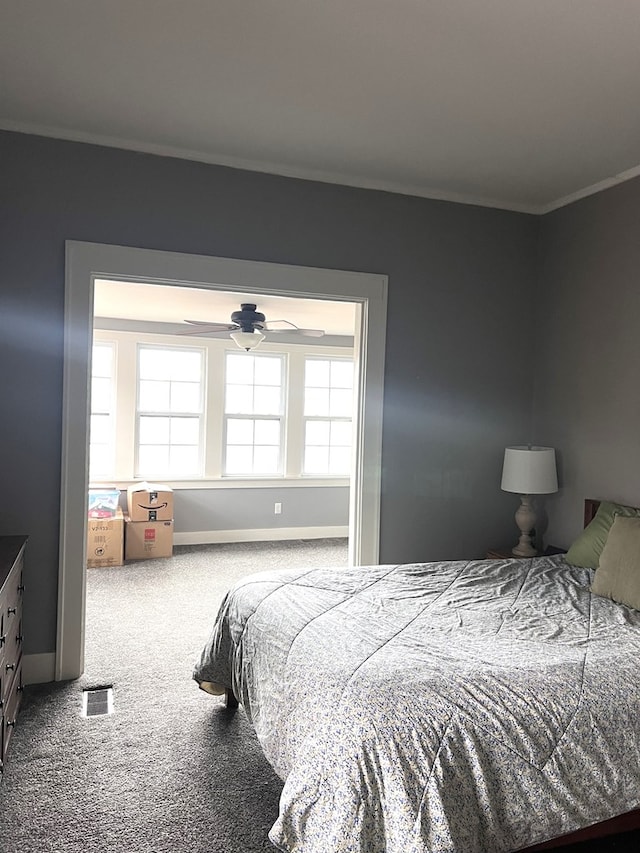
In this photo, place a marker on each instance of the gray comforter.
(458, 706)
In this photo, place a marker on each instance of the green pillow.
(587, 548)
(618, 575)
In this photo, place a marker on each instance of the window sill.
(231, 483)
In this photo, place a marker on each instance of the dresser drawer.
(14, 587)
(10, 708)
(11, 608)
(12, 645)
(11, 590)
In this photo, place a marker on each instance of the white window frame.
(213, 428)
(281, 417)
(200, 415)
(331, 418)
(111, 413)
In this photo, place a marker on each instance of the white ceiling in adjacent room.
(158, 303)
(506, 103)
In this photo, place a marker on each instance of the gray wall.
(587, 397)
(210, 510)
(458, 383)
(202, 510)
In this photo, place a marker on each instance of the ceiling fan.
(247, 327)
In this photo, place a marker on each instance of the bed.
(469, 706)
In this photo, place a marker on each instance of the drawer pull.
(2, 640)
(10, 610)
(21, 588)
(10, 666)
(10, 723)
(19, 638)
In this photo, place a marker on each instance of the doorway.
(86, 262)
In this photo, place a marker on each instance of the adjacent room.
(275, 407)
(356, 283)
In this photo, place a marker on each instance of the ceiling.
(173, 304)
(505, 103)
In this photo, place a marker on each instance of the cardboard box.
(149, 502)
(105, 541)
(103, 502)
(146, 540)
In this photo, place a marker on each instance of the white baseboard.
(266, 534)
(38, 669)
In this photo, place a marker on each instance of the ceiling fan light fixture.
(247, 340)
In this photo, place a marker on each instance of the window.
(254, 414)
(170, 412)
(102, 431)
(328, 403)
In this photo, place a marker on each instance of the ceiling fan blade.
(292, 329)
(309, 333)
(201, 327)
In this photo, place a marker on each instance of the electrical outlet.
(277, 508)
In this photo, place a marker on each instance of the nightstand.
(499, 554)
(552, 551)
(506, 553)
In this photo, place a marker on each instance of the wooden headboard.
(590, 509)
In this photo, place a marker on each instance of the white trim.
(267, 167)
(38, 669)
(366, 477)
(599, 186)
(231, 483)
(78, 318)
(87, 261)
(310, 174)
(265, 534)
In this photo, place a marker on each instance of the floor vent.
(97, 701)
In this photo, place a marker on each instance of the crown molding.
(309, 174)
(266, 167)
(605, 184)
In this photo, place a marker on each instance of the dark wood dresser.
(11, 588)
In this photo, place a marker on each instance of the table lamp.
(528, 470)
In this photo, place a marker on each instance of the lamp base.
(526, 521)
(524, 549)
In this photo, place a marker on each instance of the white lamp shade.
(529, 470)
(247, 340)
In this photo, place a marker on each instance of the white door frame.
(87, 261)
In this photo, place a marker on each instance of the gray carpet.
(171, 770)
